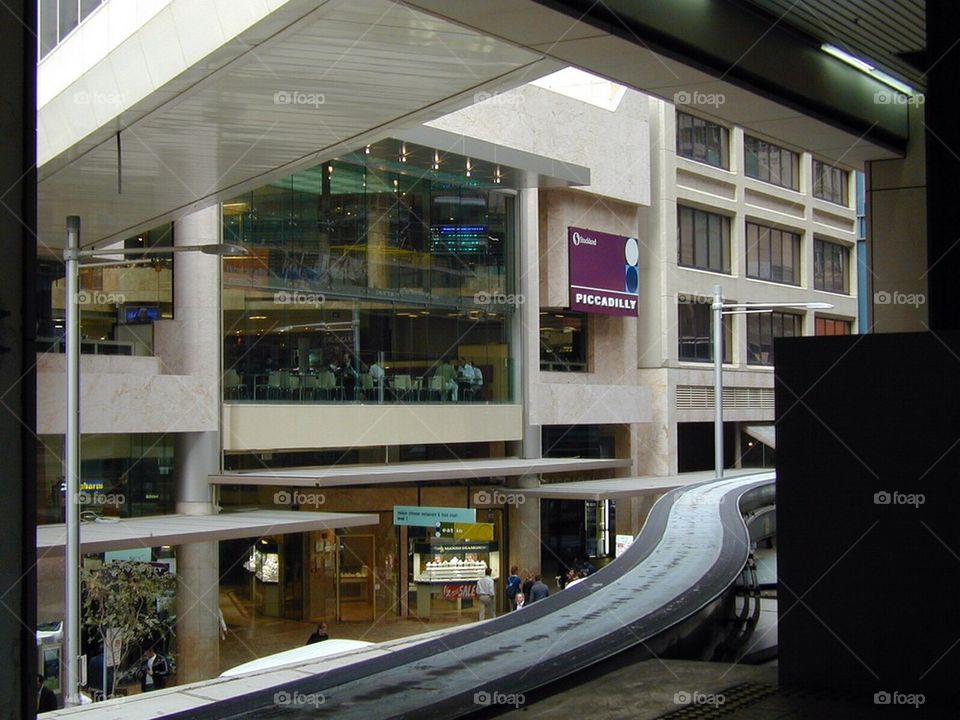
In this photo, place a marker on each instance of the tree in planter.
(120, 603)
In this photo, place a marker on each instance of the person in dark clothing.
(46, 700)
(153, 671)
(527, 584)
(319, 634)
(538, 590)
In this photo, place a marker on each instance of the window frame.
(763, 153)
(695, 302)
(689, 256)
(698, 127)
(762, 249)
(822, 170)
(820, 266)
(762, 327)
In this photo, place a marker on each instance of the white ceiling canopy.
(340, 76)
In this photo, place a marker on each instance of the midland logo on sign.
(604, 272)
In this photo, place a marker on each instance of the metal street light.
(72, 255)
(719, 310)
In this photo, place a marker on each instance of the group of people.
(522, 589)
(460, 375)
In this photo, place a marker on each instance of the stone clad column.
(191, 344)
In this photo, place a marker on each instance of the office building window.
(771, 163)
(703, 141)
(762, 328)
(830, 183)
(703, 240)
(773, 254)
(695, 323)
(830, 266)
(563, 341)
(829, 326)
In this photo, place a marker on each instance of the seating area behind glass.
(381, 276)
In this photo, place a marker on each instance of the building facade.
(404, 332)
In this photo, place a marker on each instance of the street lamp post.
(72, 256)
(720, 309)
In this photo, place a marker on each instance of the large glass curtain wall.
(366, 283)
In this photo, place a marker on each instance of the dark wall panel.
(868, 512)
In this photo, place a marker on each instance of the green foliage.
(121, 599)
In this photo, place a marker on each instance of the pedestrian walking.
(485, 591)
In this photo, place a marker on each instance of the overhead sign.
(604, 272)
(466, 531)
(432, 516)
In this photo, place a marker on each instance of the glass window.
(770, 163)
(762, 328)
(48, 26)
(830, 261)
(830, 183)
(563, 341)
(69, 17)
(829, 326)
(703, 240)
(773, 254)
(695, 324)
(701, 140)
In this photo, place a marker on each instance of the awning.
(625, 487)
(766, 434)
(338, 475)
(180, 529)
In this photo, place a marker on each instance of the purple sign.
(604, 272)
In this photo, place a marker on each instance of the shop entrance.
(356, 561)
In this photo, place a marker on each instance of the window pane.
(68, 17)
(766, 340)
(725, 242)
(753, 338)
(776, 255)
(700, 239)
(750, 160)
(716, 241)
(686, 236)
(764, 244)
(789, 269)
(753, 252)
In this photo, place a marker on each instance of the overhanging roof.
(180, 529)
(336, 475)
(626, 487)
(766, 434)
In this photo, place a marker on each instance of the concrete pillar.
(896, 208)
(191, 344)
(526, 320)
(524, 521)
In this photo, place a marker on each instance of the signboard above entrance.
(604, 272)
(431, 516)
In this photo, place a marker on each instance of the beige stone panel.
(249, 426)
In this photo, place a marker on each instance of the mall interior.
(406, 329)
